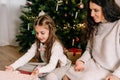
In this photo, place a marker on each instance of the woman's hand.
(35, 72)
(79, 65)
(9, 68)
(112, 77)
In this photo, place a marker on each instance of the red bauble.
(77, 39)
(28, 3)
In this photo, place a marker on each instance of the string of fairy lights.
(59, 2)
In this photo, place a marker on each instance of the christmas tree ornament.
(76, 14)
(72, 14)
(59, 2)
(28, 27)
(73, 42)
(77, 39)
(81, 5)
(28, 3)
(30, 9)
(66, 2)
(33, 32)
(65, 14)
(41, 13)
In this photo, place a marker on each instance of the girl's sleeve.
(86, 55)
(57, 52)
(25, 58)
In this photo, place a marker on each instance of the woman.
(101, 60)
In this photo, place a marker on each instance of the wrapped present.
(29, 67)
(75, 51)
(73, 54)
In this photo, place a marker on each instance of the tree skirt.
(15, 75)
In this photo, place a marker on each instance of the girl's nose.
(38, 35)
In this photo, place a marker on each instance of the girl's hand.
(35, 72)
(79, 65)
(9, 68)
(112, 77)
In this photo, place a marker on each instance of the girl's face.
(96, 12)
(42, 33)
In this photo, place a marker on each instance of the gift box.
(73, 54)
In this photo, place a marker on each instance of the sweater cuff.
(116, 73)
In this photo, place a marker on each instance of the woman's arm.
(118, 38)
(117, 71)
(87, 54)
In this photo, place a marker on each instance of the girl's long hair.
(47, 21)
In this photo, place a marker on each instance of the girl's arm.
(25, 58)
(9, 68)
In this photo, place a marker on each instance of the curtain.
(10, 11)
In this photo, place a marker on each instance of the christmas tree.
(69, 17)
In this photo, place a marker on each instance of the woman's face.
(42, 33)
(96, 12)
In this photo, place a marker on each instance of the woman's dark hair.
(111, 12)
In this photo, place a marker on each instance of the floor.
(8, 54)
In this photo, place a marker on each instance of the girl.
(101, 60)
(51, 51)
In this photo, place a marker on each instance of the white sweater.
(57, 54)
(106, 47)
